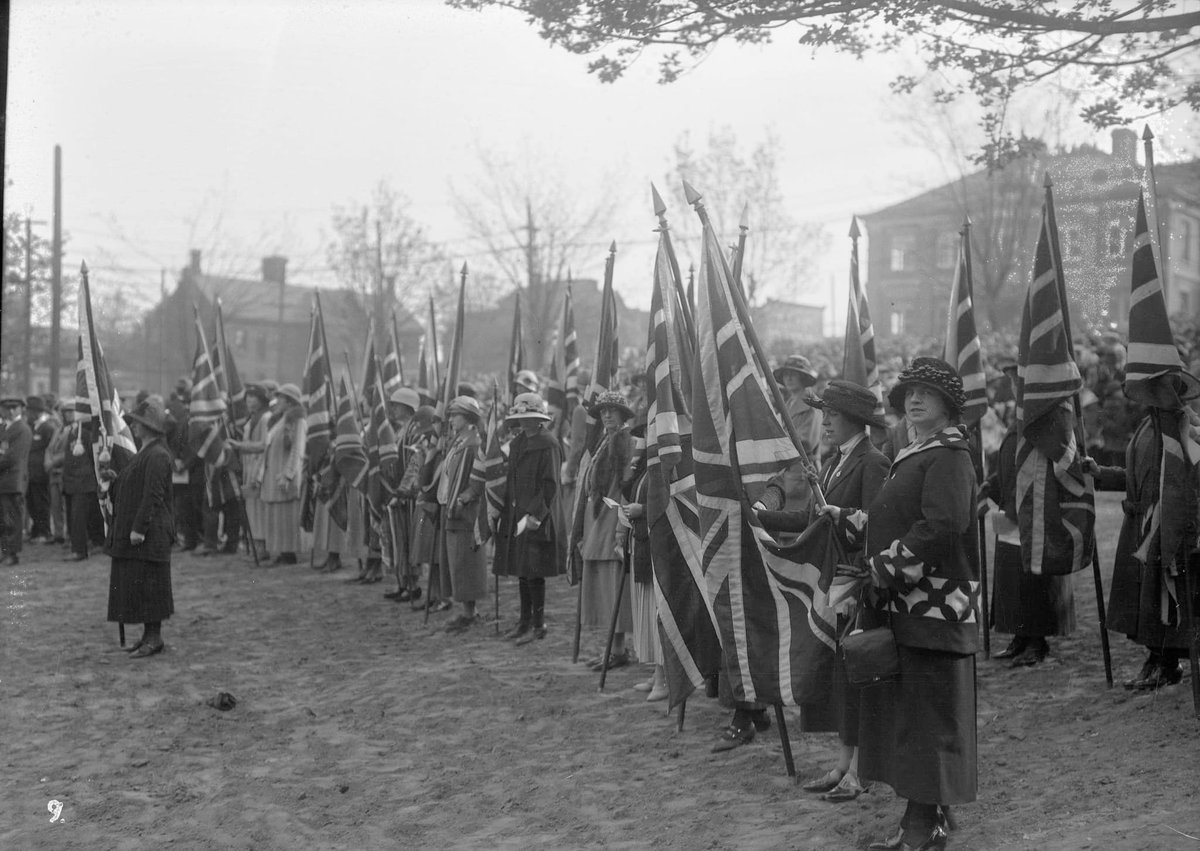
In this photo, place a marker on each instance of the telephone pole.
(56, 274)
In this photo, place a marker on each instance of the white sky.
(270, 113)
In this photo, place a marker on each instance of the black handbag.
(870, 655)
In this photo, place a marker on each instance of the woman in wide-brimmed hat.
(531, 498)
(250, 450)
(142, 532)
(464, 566)
(282, 472)
(921, 560)
(595, 527)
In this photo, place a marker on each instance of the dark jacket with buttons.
(15, 441)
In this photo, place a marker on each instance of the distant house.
(266, 325)
(912, 245)
(784, 320)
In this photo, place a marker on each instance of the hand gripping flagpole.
(1056, 255)
(739, 304)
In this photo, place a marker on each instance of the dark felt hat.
(35, 405)
(152, 414)
(12, 402)
(935, 374)
(612, 399)
(851, 400)
(800, 365)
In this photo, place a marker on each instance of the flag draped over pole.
(349, 466)
(570, 353)
(776, 627)
(489, 470)
(393, 375)
(427, 364)
(317, 391)
(516, 347)
(858, 354)
(690, 641)
(1154, 377)
(1055, 498)
(962, 349)
(207, 424)
(97, 399)
(382, 453)
(454, 356)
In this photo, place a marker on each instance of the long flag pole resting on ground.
(687, 627)
(1155, 377)
(777, 629)
(963, 351)
(97, 400)
(1055, 496)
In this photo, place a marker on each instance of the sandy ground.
(359, 727)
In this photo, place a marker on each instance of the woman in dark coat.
(464, 564)
(920, 562)
(531, 494)
(142, 531)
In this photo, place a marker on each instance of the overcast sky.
(253, 119)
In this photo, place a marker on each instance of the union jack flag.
(317, 390)
(489, 469)
(1055, 498)
(777, 630)
(427, 361)
(962, 350)
(858, 354)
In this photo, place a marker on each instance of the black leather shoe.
(519, 630)
(1028, 657)
(762, 721)
(1163, 675)
(615, 660)
(537, 633)
(140, 642)
(147, 650)
(936, 841)
(1149, 671)
(1014, 648)
(734, 737)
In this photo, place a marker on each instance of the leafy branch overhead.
(1136, 57)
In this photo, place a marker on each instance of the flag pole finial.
(464, 270)
(1147, 135)
(744, 222)
(855, 233)
(612, 249)
(660, 207)
(1047, 182)
(689, 192)
(966, 223)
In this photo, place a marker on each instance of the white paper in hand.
(621, 518)
(522, 525)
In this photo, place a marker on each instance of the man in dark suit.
(37, 495)
(15, 441)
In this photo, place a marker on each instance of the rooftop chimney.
(194, 261)
(1124, 146)
(274, 269)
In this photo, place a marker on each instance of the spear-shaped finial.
(463, 273)
(855, 233)
(1146, 134)
(660, 207)
(689, 192)
(744, 221)
(612, 249)
(966, 224)
(83, 268)
(1047, 182)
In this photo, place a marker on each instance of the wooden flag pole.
(984, 612)
(578, 621)
(612, 625)
(1056, 255)
(785, 741)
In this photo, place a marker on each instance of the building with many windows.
(913, 246)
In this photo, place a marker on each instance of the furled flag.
(962, 350)
(777, 630)
(690, 642)
(427, 364)
(858, 355)
(393, 377)
(490, 471)
(1055, 498)
(1154, 376)
(317, 390)
(229, 380)
(381, 445)
(207, 425)
(454, 356)
(570, 352)
(349, 466)
(555, 392)
(96, 398)
(516, 348)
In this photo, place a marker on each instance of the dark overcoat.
(142, 503)
(532, 487)
(15, 441)
(79, 471)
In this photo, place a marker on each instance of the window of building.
(947, 250)
(1072, 242)
(897, 322)
(904, 252)
(1187, 235)
(1116, 243)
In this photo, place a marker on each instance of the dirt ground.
(357, 726)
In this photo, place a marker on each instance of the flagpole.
(1056, 255)
(660, 210)
(743, 232)
(1152, 210)
(223, 349)
(984, 608)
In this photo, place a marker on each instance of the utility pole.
(56, 274)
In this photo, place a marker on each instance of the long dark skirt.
(917, 733)
(1027, 604)
(140, 591)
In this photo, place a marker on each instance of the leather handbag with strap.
(869, 654)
